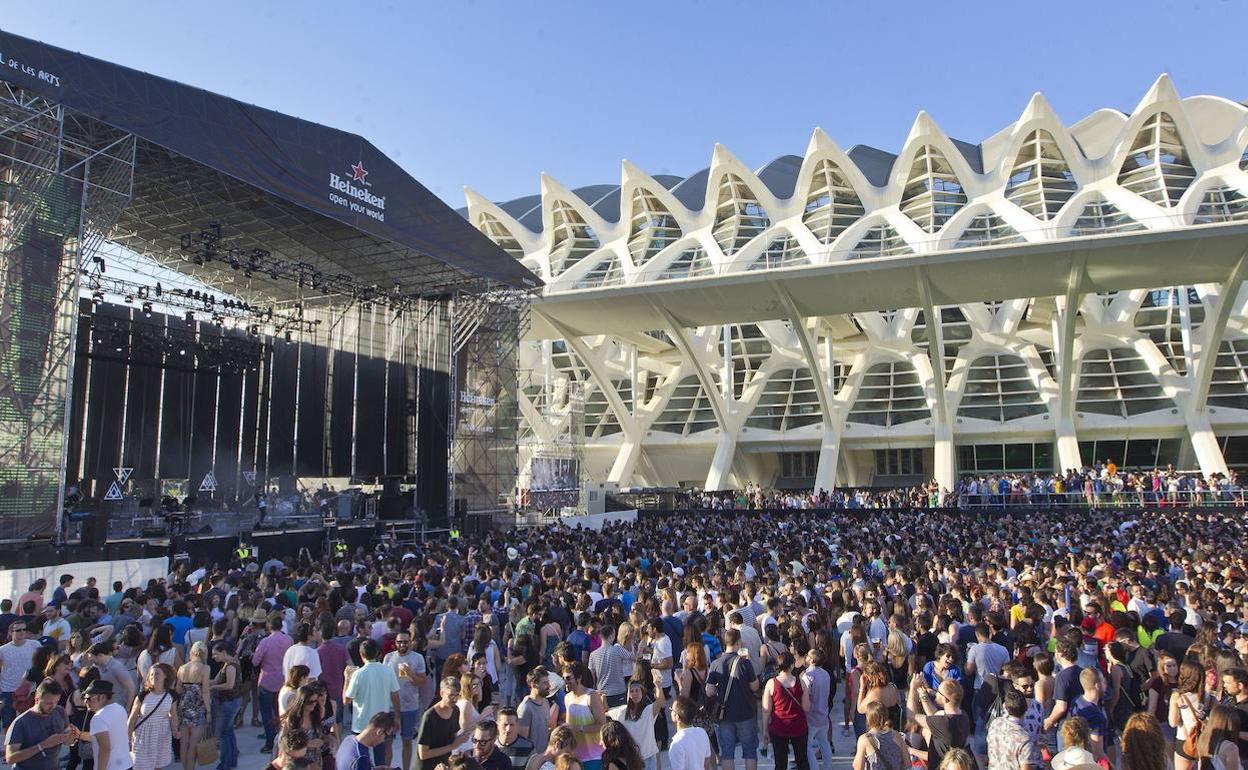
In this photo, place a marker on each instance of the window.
(652, 227)
(782, 252)
(899, 462)
(987, 230)
(1157, 167)
(1117, 382)
(880, 241)
(933, 192)
(571, 238)
(1040, 182)
(831, 205)
(999, 388)
(1138, 454)
(890, 395)
(799, 465)
(738, 215)
(496, 231)
(788, 401)
(999, 458)
(1100, 217)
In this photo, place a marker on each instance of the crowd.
(1060, 639)
(1101, 485)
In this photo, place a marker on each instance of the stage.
(201, 299)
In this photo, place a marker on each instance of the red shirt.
(787, 718)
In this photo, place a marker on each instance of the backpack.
(24, 696)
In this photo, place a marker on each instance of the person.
(691, 746)
(609, 664)
(227, 702)
(957, 759)
(35, 737)
(1066, 686)
(357, 751)
(296, 677)
(110, 736)
(1010, 746)
(440, 730)
(942, 723)
(1235, 685)
(515, 746)
(1218, 747)
(639, 713)
(302, 651)
(785, 703)
(154, 721)
(1143, 744)
(194, 705)
(1189, 705)
(16, 657)
(373, 689)
(332, 652)
(875, 687)
(880, 747)
(485, 749)
(691, 683)
(1159, 688)
(409, 669)
(732, 682)
(160, 649)
(585, 713)
(561, 743)
(818, 683)
(268, 657)
(619, 750)
(1088, 707)
(306, 717)
(536, 713)
(1077, 738)
(114, 671)
(985, 657)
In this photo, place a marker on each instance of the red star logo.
(358, 170)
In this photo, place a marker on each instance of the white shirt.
(16, 660)
(689, 750)
(659, 649)
(302, 655)
(112, 720)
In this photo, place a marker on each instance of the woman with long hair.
(60, 669)
(1189, 705)
(691, 683)
(154, 720)
(296, 677)
(1217, 746)
(160, 649)
(785, 705)
(466, 703)
(875, 687)
(1159, 688)
(619, 750)
(306, 716)
(226, 691)
(1143, 744)
(639, 711)
(194, 706)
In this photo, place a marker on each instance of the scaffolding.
(486, 330)
(64, 182)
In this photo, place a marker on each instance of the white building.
(1053, 294)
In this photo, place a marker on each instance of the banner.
(131, 572)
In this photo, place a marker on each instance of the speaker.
(95, 529)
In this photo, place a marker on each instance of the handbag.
(722, 705)
(148, 716)
(207, 752)
(1191, 744)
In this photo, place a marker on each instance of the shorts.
(1178, 749)
(409, 721)
(733, 734)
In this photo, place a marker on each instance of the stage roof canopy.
(308, 194)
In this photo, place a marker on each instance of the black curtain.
(340, 420)
(431, 454)
(396, 420)
(311, 438)
(282, 411)
(370, 429)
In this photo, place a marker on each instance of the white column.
(721, 463)
(625, 462)
(943, 458)
(829, 454)
(1205, 444)
(1067, 445)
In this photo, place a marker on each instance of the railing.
(1218, 498)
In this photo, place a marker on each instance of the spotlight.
(129, 298)
(159, 290)
(190, 317)
(99, 263)
(288, 339)
(147, 309)
(96, 298)
(182, 352)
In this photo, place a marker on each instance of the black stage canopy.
(315, 198)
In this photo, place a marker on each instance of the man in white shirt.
(110, 736)
(16, 658)
(661, 653)
(55, 626)
(691, 747)
(303, 651)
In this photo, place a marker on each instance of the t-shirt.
(181, 624)
(642, 728)
(660, 649)
(497, 760)
(1066, 685)
(112, 720)
(301, 655)
(435, 732)
(689, 749)
(518, 752)
(31, 728)
(1094, 715)
(16, 661)
(409, 694)
(947, 732)
(818, 683)
(989, 658)
(370, 691)
(536, 717)
(741, 699)
(352, 756)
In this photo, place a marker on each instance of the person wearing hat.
(110, 735)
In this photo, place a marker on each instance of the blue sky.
(489, 94)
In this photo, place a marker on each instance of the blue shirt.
(929, 674)
(181, 624)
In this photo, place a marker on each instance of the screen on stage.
(38, 259)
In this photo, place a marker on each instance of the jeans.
(651, 763)
(268, 715)
(223, 728)
(781, 745)
(7, 712)
(817, 740)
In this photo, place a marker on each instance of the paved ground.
(250, 739)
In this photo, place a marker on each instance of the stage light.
(190, 317)
(147, 309)
(99, 263)
(129, 299)
(288, 339)
(182, 352)
(96, 299)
